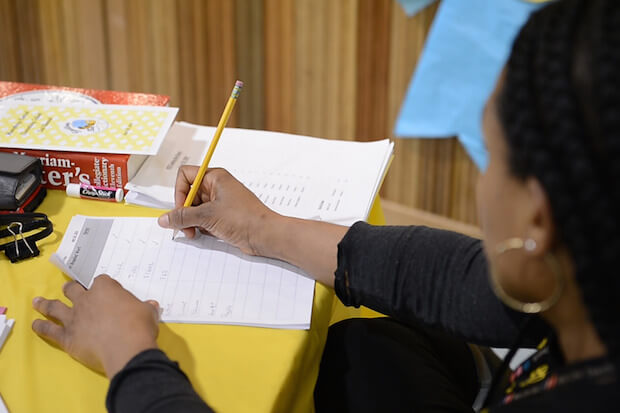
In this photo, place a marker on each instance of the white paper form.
(195, 281)
(294, 175)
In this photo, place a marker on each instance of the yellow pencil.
(218, 132)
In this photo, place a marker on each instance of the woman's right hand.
(223, 208)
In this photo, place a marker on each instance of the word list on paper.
(202, 280)
(295, 194)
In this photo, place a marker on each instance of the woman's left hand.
(106, 327)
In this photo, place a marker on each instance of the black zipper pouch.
(20, 182)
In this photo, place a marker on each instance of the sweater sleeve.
(152, 383)
(437, 277)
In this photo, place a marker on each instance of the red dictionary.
(61, 168)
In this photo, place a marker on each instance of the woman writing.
(545, 275)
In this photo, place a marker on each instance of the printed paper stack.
(74, 161)
(300, 176)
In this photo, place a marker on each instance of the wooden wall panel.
(164, 34)
(10, 50)
(280, 79)
(249, 33)
(334, 69)
(55, 57)
(339, 106)
(28, 38)
(221, 74)
(117, 50)
(407, 37)
(57, 42)
(373, 54)
(309, 65)
(192, 59)
(142, 46)
(86, 51)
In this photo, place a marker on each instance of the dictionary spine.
(63, 168)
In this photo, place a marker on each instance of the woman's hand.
(106, 327)
(223, 208)
(227, 210)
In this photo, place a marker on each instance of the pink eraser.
(3, 310)
(239, 83)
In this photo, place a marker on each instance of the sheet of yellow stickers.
(101, 128)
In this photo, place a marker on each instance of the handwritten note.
(195, 281)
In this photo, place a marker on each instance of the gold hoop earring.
(531, 308)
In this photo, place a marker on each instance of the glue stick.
(100, 193)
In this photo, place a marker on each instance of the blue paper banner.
(413, 6)
(466, 49)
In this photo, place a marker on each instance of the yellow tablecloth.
(235, 369)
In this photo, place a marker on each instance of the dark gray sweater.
(437, 277)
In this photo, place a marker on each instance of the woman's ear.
(539, 217)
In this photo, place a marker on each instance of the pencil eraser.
(3, 310)
(239, 83)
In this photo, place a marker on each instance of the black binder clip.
(15, 226)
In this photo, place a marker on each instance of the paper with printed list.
(299, 176)
(204, 280)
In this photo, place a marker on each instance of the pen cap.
(119, 194)
(73, 190)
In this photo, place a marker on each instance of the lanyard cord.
(497, 376)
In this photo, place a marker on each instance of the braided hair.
(560, 109)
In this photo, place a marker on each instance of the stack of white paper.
(203, 280)
(5, 328)
(294, 175)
